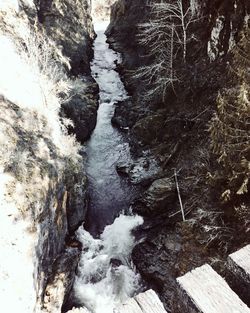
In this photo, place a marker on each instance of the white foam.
(99, 285)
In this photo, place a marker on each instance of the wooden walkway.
(239, 273)
(204, 291)
(146, 302)
(239, 262)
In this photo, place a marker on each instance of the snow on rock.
(39, 161)
(17, 292)
(212, 48)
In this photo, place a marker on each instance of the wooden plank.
(239, 273)
(150, 302)
(146, 302)
(208, 292)
(131, 306)
(241, 259)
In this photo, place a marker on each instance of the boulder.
(147, 129)
(160, 195)
(123, 168)
(161, 192)
(125, 114)
(61, 281)
(82, 108)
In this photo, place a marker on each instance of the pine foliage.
(230, 127)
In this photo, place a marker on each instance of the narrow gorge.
(124, 168)
(105, 276)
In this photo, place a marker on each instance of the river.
(106, 276)
(110, 194)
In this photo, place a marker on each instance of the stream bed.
(106, 276)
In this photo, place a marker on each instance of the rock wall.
(171, 134)
(220, 23)
(69, 24)
(43, 195)
(122, 30)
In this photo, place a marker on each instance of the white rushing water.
(105, 276)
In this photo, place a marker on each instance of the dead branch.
(179, 196)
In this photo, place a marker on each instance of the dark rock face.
(52, 233)
(232, 15)
(126, 114)
(142, 171)
(123, 168)
(164, 256)
(126, 14)
(81, 108)
(61, 280)
(69, 24)
(124, 18)
(173, 131)
(158, 197)
(77, 202)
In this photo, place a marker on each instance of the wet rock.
(148, 128)
(158, 198)
(77, 203)
(81, 108)
(61, 280)
(144, 171)
(125, 114)
(123, 168)
(165, 255)
(154, 262)
(115, 262)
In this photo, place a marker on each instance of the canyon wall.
(170, 129)
(44, 45)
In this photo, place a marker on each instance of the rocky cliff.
(44, 45)
(169, 133)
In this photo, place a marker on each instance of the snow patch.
(17, 291)
(6, 5)
(212, 48)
